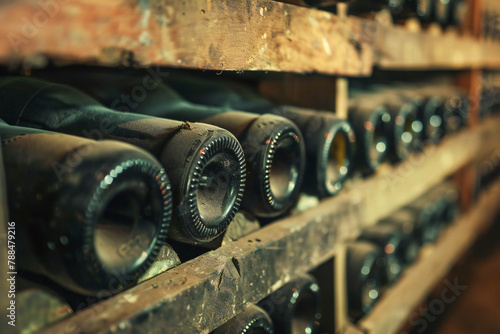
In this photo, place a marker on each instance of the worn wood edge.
(398, 48)
(203, 34)
(400, 302)
(351, 329)
(201, 294)
(340, 288)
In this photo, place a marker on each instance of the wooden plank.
(342, 98)
(398, 303)
(341, 316)
(474, 18)
(203, 34)
(471, 82)
(201, 294)
(397, 48)
(224, 35)
(352, 330)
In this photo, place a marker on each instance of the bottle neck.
(64, 109)
(218, 94)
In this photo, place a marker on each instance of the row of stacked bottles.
(374, 262)
(114, 173)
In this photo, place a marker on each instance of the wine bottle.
(253, 320)
(366, 6)
(443, 12)
(456, 110)
(370, 123)
(89, 215)
(411, 239)
(426, 211)
(391, 242)
(454, 105)
(430, 115)
(205, 163)
(448, 195)
(330, 146)
(399, 9)
(329, 140)
(490, 102)
(365, 272)
(273, 146)
(403, 130)
(429, 109)
(424, 9)
(294, 308)
(440, 217)
(459, 10)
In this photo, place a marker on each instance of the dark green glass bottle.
(273, 146)
(370, 123)
(295, 307)
(365, 274)
(88, 215)
(253, 320)
(205, 163)
(329, 140)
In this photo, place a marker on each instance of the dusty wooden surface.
(203, 34)
(201, 294)
(397, 48)
(223, 35)
(399, 303)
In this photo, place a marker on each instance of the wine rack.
(268, 36)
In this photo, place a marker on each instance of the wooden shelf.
(246, 35)
(202, 34)
(203, 293)
(398, 48)
(223, 35)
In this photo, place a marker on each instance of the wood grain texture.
(397, 305)
(203, 34)
(201, 294)
(397, 48)
(223, 35)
